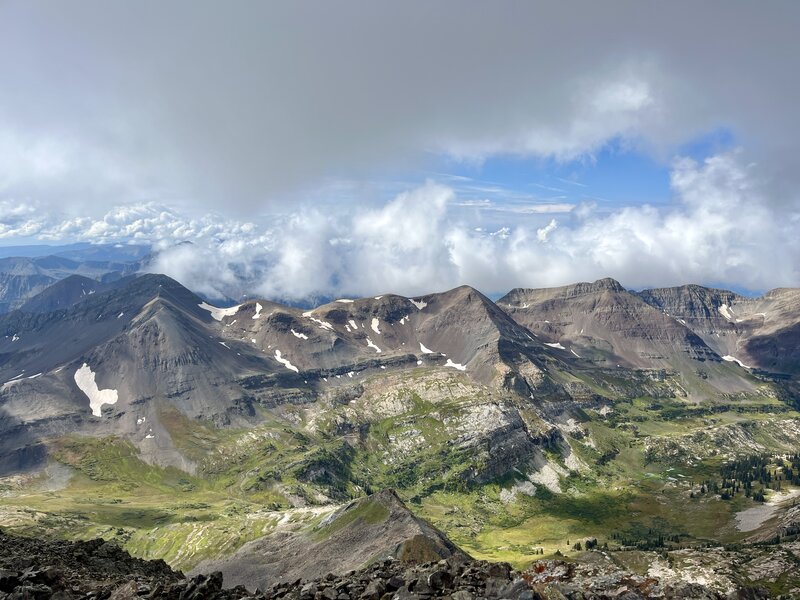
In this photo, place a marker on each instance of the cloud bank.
(718, 229)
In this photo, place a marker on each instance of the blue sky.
(620, 174)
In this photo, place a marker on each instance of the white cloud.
(18, 219)
(541, 234)
(721, 228)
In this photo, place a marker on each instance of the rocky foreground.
(32, 568)
(38, 569)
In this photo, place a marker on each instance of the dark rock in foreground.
(38, 569)
(33, 568)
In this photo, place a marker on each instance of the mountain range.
(578, 404)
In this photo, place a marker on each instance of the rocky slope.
(761, 333)
(363, 532)
(111, 362)
(605, 325)
(95, 569)
(31, 568)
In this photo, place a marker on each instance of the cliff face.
(762, 333)
(601, 324)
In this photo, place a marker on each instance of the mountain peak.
(522, 295)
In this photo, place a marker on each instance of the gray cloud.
(238, 105)
(720, 229)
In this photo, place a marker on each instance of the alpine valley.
(604, 442)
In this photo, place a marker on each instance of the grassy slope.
(249, 477)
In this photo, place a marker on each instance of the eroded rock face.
(762, 332)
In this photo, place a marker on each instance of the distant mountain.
(82, 251)
(606, 325)
(121, 352)
(762, 333)
(109, 356)
(22, 277)
(66, 292)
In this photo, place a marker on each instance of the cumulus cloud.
(18, 219)
(718, 230)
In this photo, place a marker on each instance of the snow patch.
(726, 312)
(259, 308)
(15, 338)
(322, 324)
(120, 315)
(285, 362)
(419, 362)
(34, 376)
(424, 349)
(403, 320)
(219, 313)
(378, 297)
(301, 336)
(14, 379)
(575, 353)
(730, 358)
(418, 303)
(370, 344)
(458, 366)
(374, 325)
(345, 300)
(84, 379)
(556, 345)
(226, 345)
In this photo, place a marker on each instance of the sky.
(323, 149)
